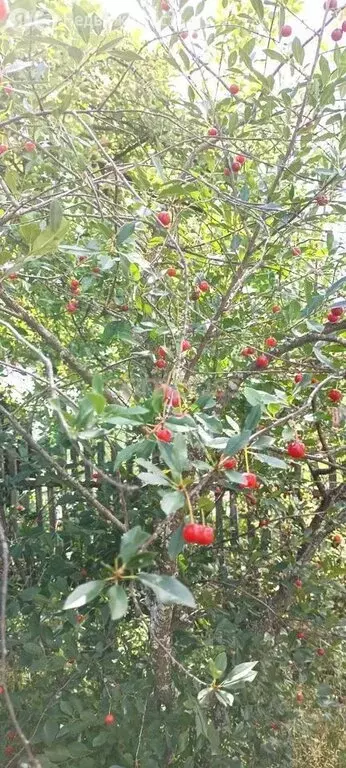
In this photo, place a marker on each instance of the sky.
(130, 6)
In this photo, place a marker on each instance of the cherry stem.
(189, 506)
(246, 459)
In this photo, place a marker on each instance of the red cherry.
(322, 199)
(11, 735)
(82, 258)
(298, 583)
(336, 35)
(204, 286)
(320, 651)
(337, 539)
(164, 218)
(240, 159)
(3, 148)
(190, 533)
(263, 523)
(96, 270)
(164, 6)
(123, 308)
(296, 251)
(335, 395)
(20, 508)
(171, 395)
(276, 308)
(13, 276)
(300, 697)
(206, 535)
(74, 285)
(296, 449)
(286, 30)
(337, 311)
(271, 342)
(171, 272)
(330, 4)
(298, 378)
(300, 636)
(213, 132)
(8, 90)
(9, 750)
(343, 26)
(226, 172)
(234, 89)
(163, 434)
(332, 318)
(185, 345)
(184, 34)
(247, 351)
(236, 167)
(230, 463)
(4, 10)
(80, 618)
(30, 146)
(160, 363)
(249, 480)
(109, 719)
(262, 361)
(72, 307)
(161, 352)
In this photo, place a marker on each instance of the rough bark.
(161, 637)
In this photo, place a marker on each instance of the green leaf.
(241, 673)
(154, 477)
(84, 594)
(55, 215)
(201, 723)
(11, 179)
(253, 418)
(118, 329)
(50, 731)
(98, 383)
(225, 697)
(168, 589)
(140, 448)
(48, 241)
(272, 461)
(131, 541)
(321, 357)
(97, 401)
(258, 8)
(176, 543)
(125, 232)
(118, 601)
(259, 397)
(237, 442)
(324, 68)
(187, 14)
(204, 695)
(171, 502)
(298, 50)
(82, 22)
(220, 663)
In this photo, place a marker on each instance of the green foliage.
(93, 502)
